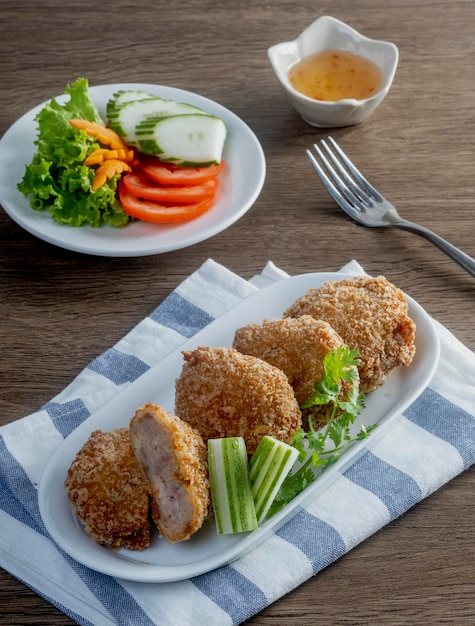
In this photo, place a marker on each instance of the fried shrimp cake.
(370, 314)
(173, 458)
(224, 393)
(298, 347)
(108, 492)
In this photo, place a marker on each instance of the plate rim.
(159, 574)
(42, 229)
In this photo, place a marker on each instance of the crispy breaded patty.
(224, 393)
(108, 492)
(297, 346)
(370, 314)
(174, 461)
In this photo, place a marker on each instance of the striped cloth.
(430, 444)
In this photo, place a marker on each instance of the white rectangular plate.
(205, 551)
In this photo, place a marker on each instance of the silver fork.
(363, 203)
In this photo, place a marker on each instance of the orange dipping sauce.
(333, 75)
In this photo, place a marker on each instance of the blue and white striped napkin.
(430, 444)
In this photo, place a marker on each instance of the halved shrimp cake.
(173, 459)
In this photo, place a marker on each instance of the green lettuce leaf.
(57, 180)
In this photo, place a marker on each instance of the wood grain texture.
(60, 309)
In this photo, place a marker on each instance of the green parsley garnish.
(315, 449)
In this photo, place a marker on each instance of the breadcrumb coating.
(174, 462)
(108, 492)
(297, 346)
(223, 393)
(370, 314)
(158, 468)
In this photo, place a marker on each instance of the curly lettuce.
(57, 180)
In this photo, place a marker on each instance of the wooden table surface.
(61, 309)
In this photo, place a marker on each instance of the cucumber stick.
(191, 140)
(231, 493)
(124, 117)
(270, 464)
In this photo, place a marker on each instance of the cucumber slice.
(189, 140)
(129, 95)
(269, 466)
(231, 493)
(125, 118)
(122, 97)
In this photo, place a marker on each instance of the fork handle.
(464, 260)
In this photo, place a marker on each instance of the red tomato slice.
(170, 174)
(142, 187)
(149, 211)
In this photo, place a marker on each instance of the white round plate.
(240, 185)
(206, 550)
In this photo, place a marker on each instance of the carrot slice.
(96, 157)
(106, 136)
(102, 154)
(107, 170)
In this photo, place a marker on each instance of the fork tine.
(364, 182)
(344, 182)
(339, 198)
(358, 190)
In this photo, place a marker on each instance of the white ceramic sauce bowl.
(328, 32)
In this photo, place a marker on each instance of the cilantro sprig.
(323, 447)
